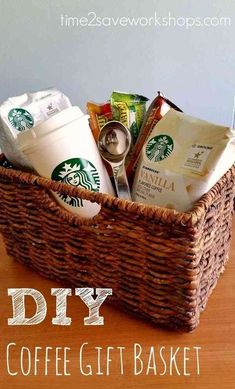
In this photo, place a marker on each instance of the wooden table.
(215, 336)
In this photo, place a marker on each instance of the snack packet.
(26, 111)
(130, 110)
(157, 109)
(99, 115)
(181, 160)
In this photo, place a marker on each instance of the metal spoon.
(114, 142)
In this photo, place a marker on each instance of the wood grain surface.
(215, 336)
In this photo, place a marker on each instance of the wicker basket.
(161, 264)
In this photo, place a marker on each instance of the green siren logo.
(77, 172)
(159, 147)
(20, 119)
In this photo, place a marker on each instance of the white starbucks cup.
(63, 149)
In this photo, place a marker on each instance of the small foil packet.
(22, 112)
(99, 114)
(130, 110)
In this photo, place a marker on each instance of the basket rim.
(166, 215)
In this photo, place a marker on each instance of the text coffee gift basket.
(161, 263)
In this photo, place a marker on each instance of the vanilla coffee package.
(181, 160)
(22, 112)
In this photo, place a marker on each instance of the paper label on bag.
(49, 108)
(197, 157)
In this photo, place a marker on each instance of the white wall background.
(194, 67)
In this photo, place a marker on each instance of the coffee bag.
(22, 112)
(181, 160)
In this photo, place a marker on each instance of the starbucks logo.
(159, 148)
(76, 172)
(20, 119)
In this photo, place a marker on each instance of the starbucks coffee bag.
(181, 160)
(22, 112)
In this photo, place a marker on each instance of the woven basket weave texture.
(161, 264)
